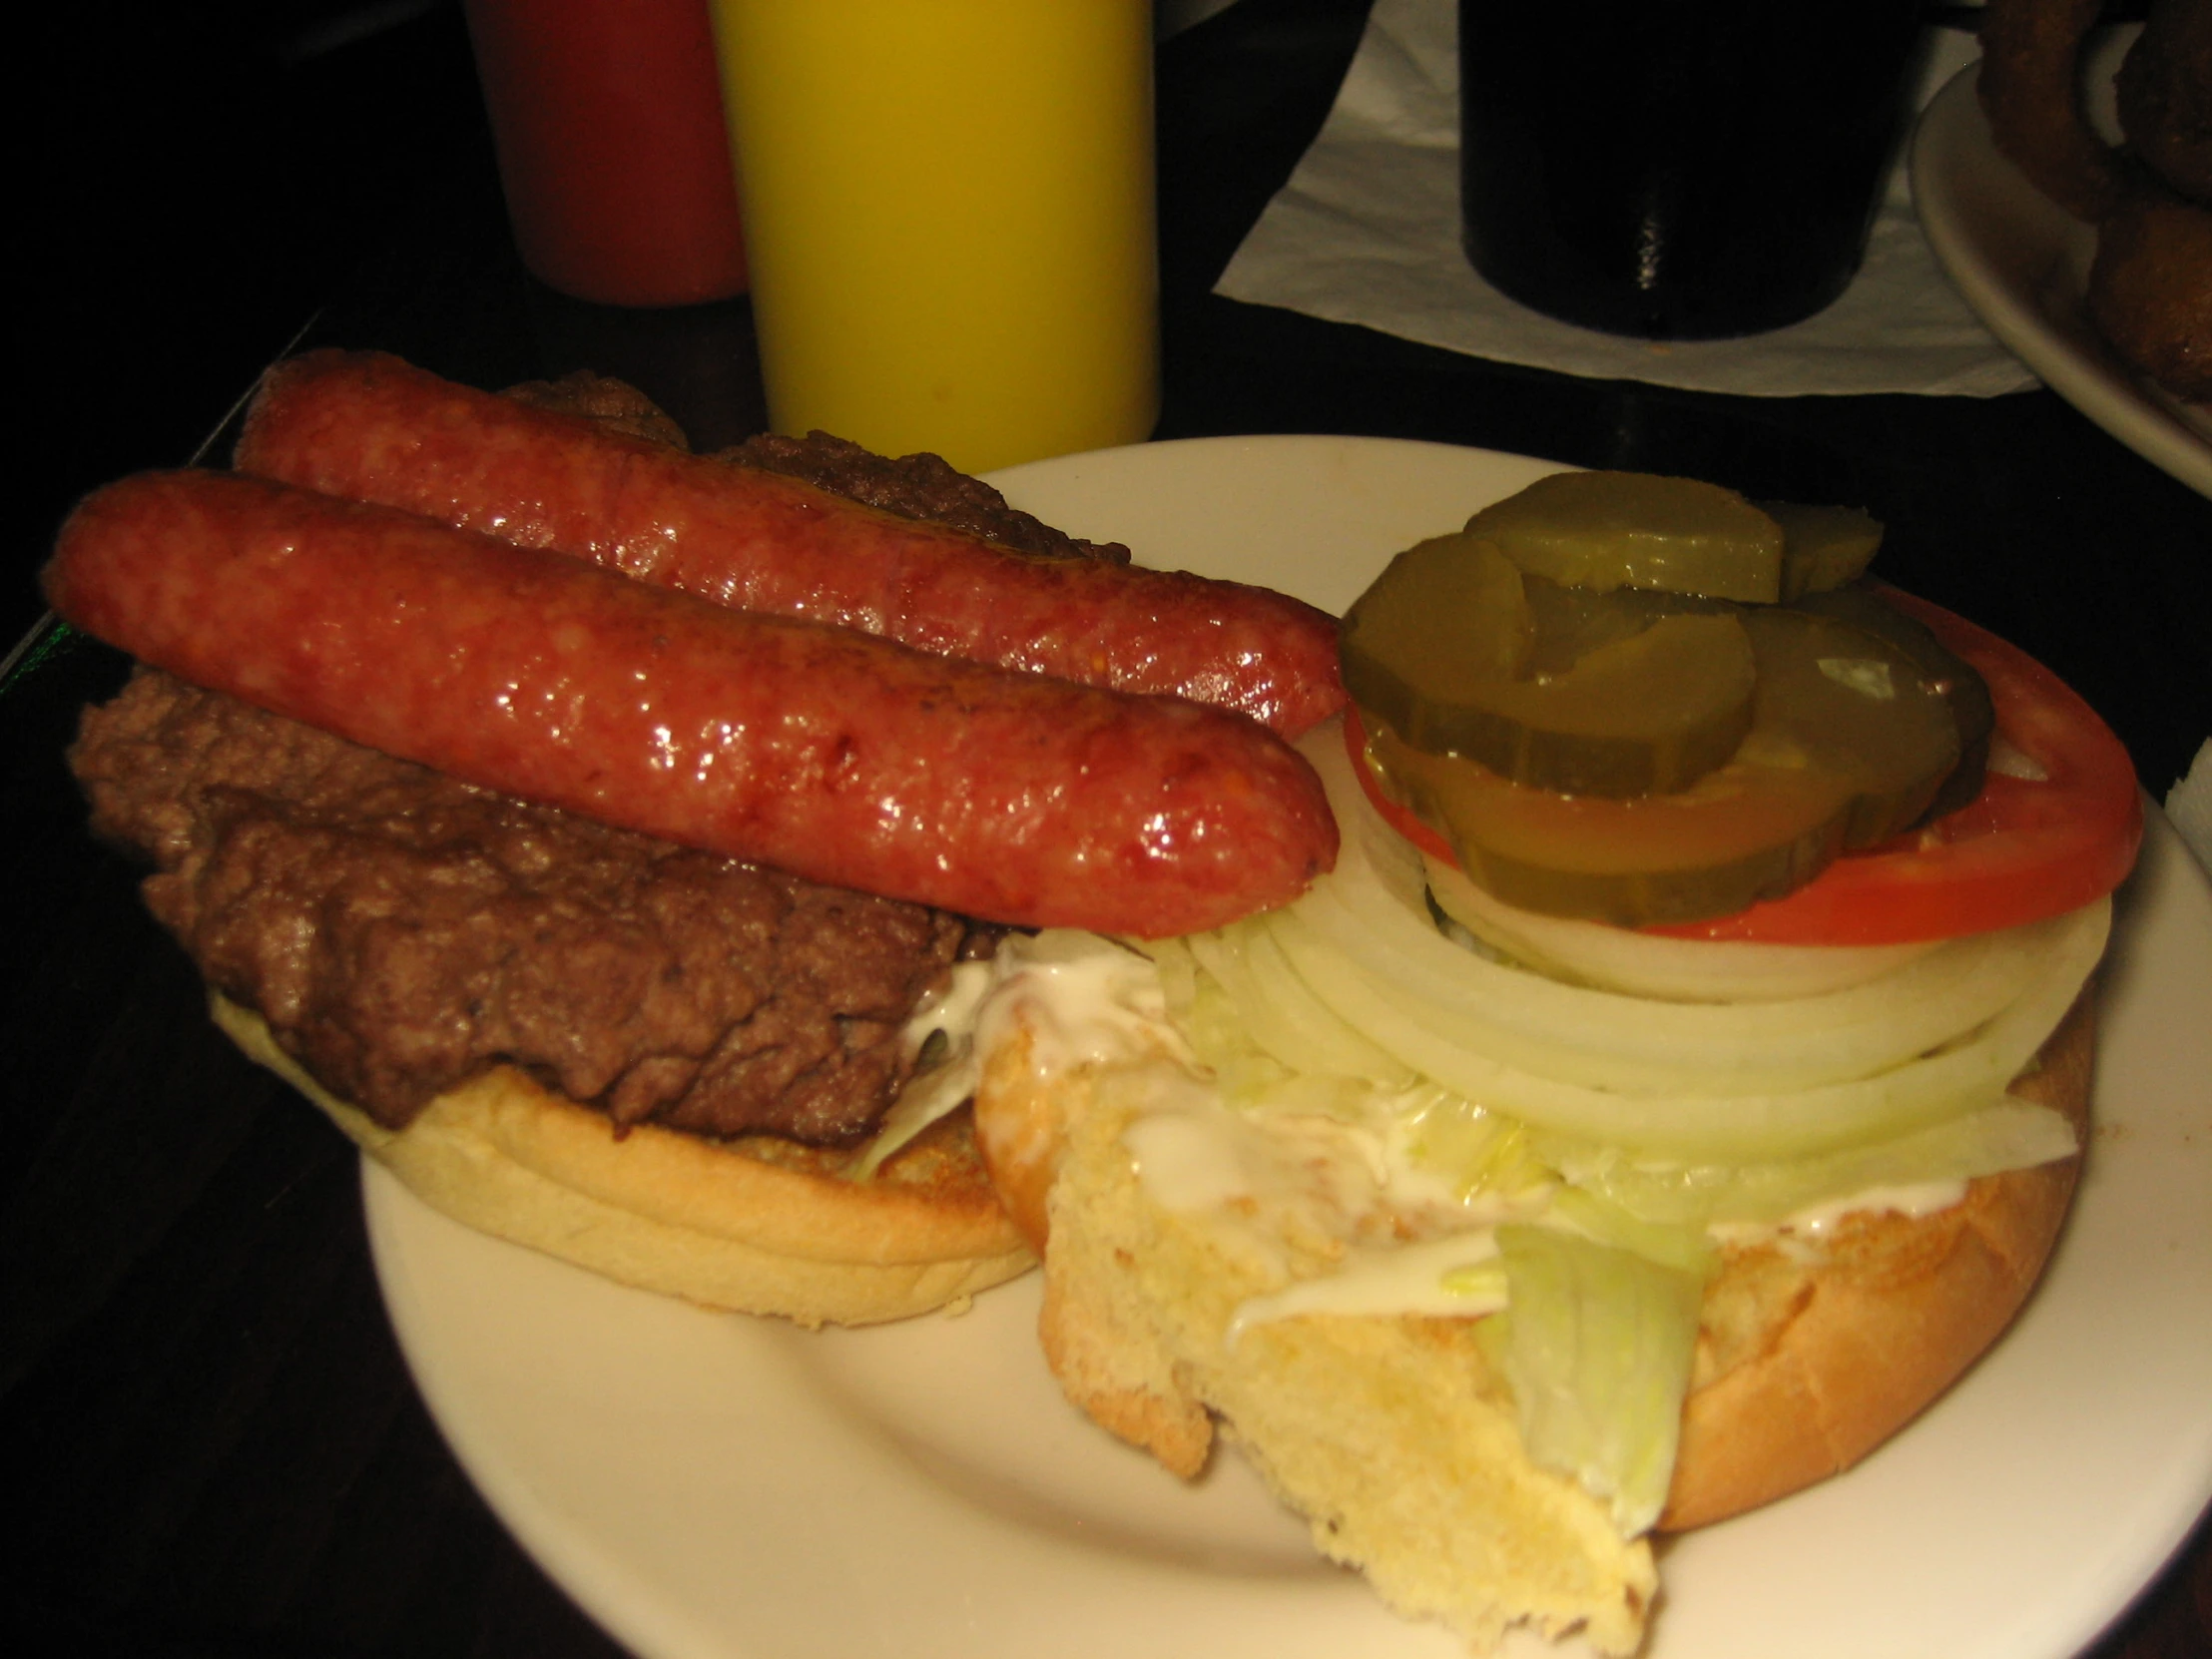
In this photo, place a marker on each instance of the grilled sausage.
(841, 757)
(374, 428)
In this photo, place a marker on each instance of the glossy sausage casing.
(374, 428)
(838, 755)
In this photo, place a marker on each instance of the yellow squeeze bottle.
(948, 210)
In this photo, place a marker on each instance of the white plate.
(2022, 263)
(711, 1485)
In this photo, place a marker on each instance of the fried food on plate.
(2150, 291)
(2164, 93)
(2150, 286)
(2031, 92)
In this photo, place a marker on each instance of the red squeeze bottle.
(607, 116)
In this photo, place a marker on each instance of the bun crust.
(1806, 1364)
(757, 1225)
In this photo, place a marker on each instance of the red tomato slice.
(2021, 851)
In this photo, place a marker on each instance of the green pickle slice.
(1958, 680)
(1605, 530)
(1848, 745)
(1823, 547)
(1612, 693)
(1850, 703)
(1572, 622)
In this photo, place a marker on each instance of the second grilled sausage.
(374, 428)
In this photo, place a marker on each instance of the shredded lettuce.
(1476, 1151)
(1596, 1344)
(1458, 1277)
(2007, 1134)
(1595, 1217)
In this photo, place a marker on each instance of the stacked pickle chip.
(1645, 700)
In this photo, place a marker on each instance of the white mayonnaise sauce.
(1817, 1222)
(1084, 999)
(951, 1007)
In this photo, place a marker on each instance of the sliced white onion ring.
(1699, 1123)
(1651, 964)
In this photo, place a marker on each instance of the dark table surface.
(206, 1427)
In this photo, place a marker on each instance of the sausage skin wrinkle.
(372, 427)
(841, 757)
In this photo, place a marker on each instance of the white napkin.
(2190, 805)
(1367, 231)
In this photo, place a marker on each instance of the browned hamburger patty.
(402, 931)
(922, 486)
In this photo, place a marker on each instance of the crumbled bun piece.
(1387, 1435)
(757, 1225)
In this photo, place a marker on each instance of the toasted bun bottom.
(1392, 1436)
(1808, 1360)
(758, 1225)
